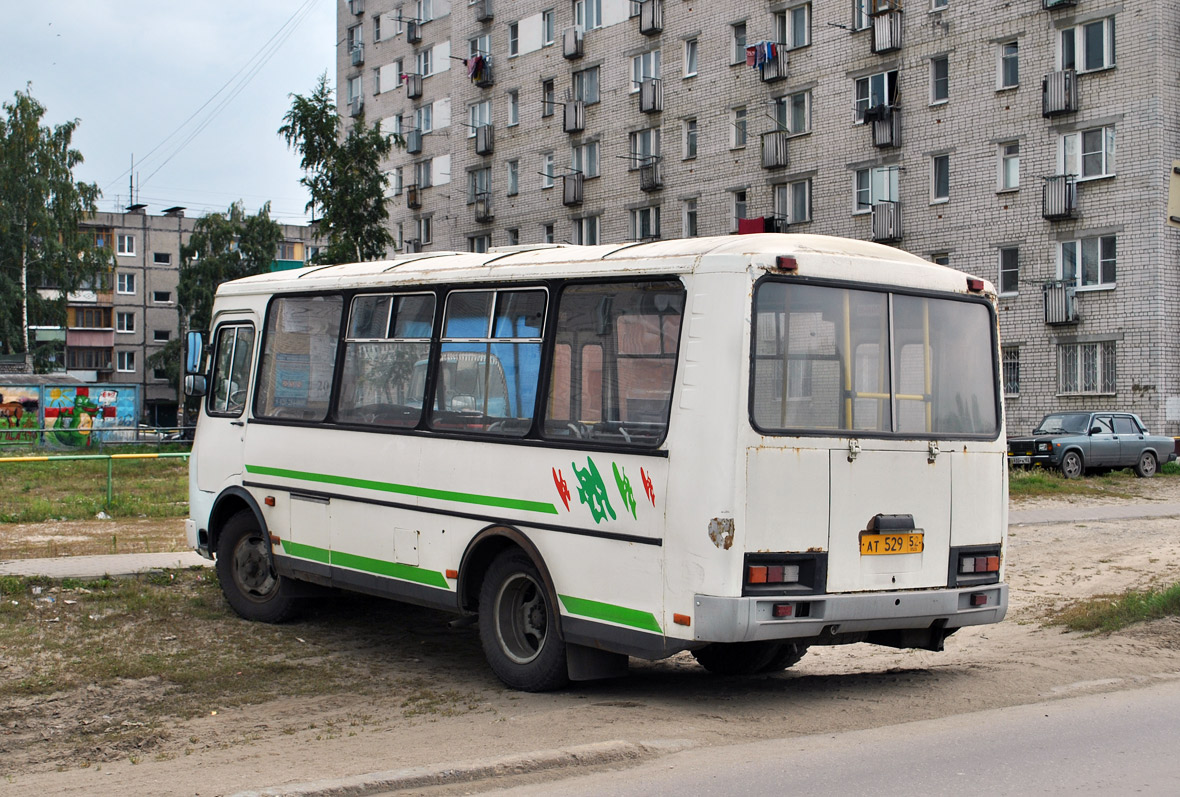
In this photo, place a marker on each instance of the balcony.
(356, 106)
(1061, 305)
(651, 176)
(413, 86)
(483, 207)
(651, 95)
(413, 31)
(774, 149)
(357, 55)
(356, 7)
(572, 189)
(1059, 197)
(1052, 4)
(775, 69)
(413, 196)
(887, 222)
(572, 43)
(414, 142)
(887, 28)
(412, 246)
(886, 123)
(485, 140)
(483, 11)
(483, 77)
(651, 17)
(1059, 93)
(574, 117)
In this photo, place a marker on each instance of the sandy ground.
(835, 689)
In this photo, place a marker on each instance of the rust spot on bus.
(721, 532)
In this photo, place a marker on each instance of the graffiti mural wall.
(20, 413)
(79, 416)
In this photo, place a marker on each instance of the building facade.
(1029, 142)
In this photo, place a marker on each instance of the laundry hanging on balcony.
(758, 55)
(478, 67)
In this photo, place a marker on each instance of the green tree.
(343, 176)
(42, 241)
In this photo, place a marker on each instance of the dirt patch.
(94, 537)
(423, 694)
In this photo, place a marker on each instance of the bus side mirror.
(194, 385)
(194, 352)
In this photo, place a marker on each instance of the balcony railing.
(651, 95)
(413, 32)
(485, 78)
(572, 43)
(413, 196)
(774, 149)
(776, 68)
(413, 86)
(1060, 302)
(887, 221)
(356, 7)
(414, 142)
(572, 189)
(483, 11)
(1051, 4)
(483, 207)
(412, 246)
(651, 17)
(485, 139)
(1059, 197)
(887, 31)
(356, 106)
(1059, 92)
(357, 54)
(574, 117)
(886, 122)
(651, 177)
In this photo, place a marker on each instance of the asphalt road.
(1114, 743)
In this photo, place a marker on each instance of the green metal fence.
(110, 458)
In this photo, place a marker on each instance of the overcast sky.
(133, 71)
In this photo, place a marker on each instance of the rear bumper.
(749, 619)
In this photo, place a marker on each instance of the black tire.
(787, 655)
(737, 658)
(518, 626)
(1146, 467)
(247, 574)
(1072, 465)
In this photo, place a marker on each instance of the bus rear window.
(298, 357)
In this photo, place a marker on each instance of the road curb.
(585, 755)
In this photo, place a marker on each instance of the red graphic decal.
(562, 488)
(647, 486)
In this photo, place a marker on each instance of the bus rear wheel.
(748, 658)
(518, 626)
(247, 574)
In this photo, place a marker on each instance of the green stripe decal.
(406, 489)
(431, 578)
(621, 615)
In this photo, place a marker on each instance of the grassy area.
(38, 491)
(1039, 482)
(1106, 613)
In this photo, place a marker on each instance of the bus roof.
(816, 255)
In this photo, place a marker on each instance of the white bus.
(735, 446)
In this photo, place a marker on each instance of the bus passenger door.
(221, 431)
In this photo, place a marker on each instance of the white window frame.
(125, 283)
(156, 333)
(156, 261)
(1075, 159)
(1010, 369)
(792, 26)
(588, 14)
(1073, 257)
(1074, 40)
(691, 138)
(478, 115)
(1008, 265)
(513, 108)
(792, 201)
(1008, 177)
(512, 236)
(938, 83)
(548, 27)
(424, 173)
(480, 45)
(356, 87)
(513, 39)
(1088, 368)
(645, 219)
(873, 90)
(861, 14)
(586, 84)
(424, 62)
(1005, 56)
(548, 178)
(512, 168)
(739, 205)
(125, 362)
(425, 230)
(125, 244)
(124, 322)
(645, 66)
(549, 233)
(644, 144)
(424, 118)
(584, 158)
(691, 57)
(424, 10)
(689, 219)
(939, 5)
(872, 185)
(737, 38)
(397, 180)
(739, 127)
(587, 230)
(157, 300)
(479, 181)
(479, 243)
(940, 167)
(785, 108)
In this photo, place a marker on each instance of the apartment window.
(1010, 366)
(1086, 367)
(376, 72)
(643, 67)
(875, 185)
(939, 5)
(396, 180)
(940, 178)
(479, 181)
(124, 322)
(159, 373)
(162, 258)
(355, 88)
(424, 62)
(547, 101)
(513, 177)
(737, 126)
(425, 10)
(737, 206)
(1010, 166)
(874, 90)
(645, 224)
(548, 233)
(940, 85)
(586, 85)
(792, 113)
(424, 173)
(689, 218)
(941, 258)
(1009, 270)
(162, 297)
(478, 243)
(586, 231)
(645, 145)
(585, 159)
(1009, 74)
(1088, 153)
(125, 283)
(548, 27)
(547, 170)
(398, 69)
(1088, 262)
(478, 114)
(125, 244)
(161, 335)
(738, 40)
(513, 108)
(512, 236)
(691, 134)
(424, 229)
(513, 39)
(792, 201)
(480, 45)
(125, 362)
(690, 57)
(861, 18)
(355, 37)
(376, 27)
(424, 119)
(793, 26)
(588, 14)
(1088, 47)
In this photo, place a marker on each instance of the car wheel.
(1146, 466)
(247, 573)
(1071, 465)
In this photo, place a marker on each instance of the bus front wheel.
(518, 626)
(247, 574)
(748, 658)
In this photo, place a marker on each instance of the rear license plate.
(1020, 460)
(878, 544)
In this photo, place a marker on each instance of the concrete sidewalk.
(125, 564)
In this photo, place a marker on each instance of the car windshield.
(1060, 422)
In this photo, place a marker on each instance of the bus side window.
(298, 357)
(233, 355)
